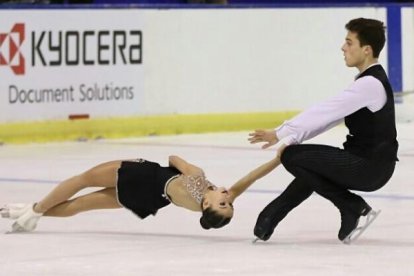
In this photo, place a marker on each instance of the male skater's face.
(354, 54)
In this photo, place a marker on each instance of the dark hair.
(212, 219)
(369, 32)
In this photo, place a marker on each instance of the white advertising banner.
(59, 63)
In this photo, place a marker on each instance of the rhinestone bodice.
(196, 185)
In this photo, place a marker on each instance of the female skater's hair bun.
(212, 219)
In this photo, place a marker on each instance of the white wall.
(242, 60)
(201, 60)
(407, 18)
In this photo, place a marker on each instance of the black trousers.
(331, 172)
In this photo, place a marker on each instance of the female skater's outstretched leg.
(102, 199)
(103, 175)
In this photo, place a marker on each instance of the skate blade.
(16, 228)
(4, 212)
(357, 232)
(255, 240)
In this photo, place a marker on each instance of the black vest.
(373, 134)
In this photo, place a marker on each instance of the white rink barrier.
(143, 62)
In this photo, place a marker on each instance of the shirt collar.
(374, 64)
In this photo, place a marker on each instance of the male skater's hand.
(263, 136)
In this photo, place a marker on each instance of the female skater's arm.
(240, 186)
(183, 166)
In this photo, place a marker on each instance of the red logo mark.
(11, 42)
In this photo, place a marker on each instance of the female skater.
(141, 186)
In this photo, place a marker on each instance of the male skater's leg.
(275, 211)
(330, 172)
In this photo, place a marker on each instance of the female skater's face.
(219, 200)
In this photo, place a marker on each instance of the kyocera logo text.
(10, 54)
(72, 48)
(87, 47)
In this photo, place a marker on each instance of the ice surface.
(115, 242)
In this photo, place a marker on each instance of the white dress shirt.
(363, 92)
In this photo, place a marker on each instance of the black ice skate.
(264, 228)
(350, 231)
(357, 232)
